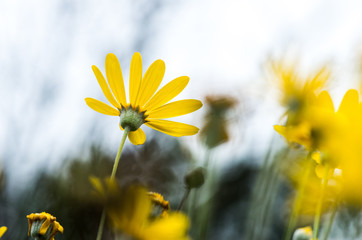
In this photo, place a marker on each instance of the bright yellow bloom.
(2, 231)
(130, 212)
(314, 126)
(43, 224)
(297, 92)
(145, 105)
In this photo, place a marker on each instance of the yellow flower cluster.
(332, 139)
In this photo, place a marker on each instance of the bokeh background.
(50, 141)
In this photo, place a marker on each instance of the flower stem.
(182, 203)
(330, 221)
(320, 203)
(298, 199)
(113, 175)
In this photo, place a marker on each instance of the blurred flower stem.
(186, 195)
(320, 203)
(299, 198)
(113, 175)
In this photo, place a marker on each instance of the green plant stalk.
(187, 192)
(317, 216)
(298, 200)
(330, 221)
(113, 175)
(260, 185)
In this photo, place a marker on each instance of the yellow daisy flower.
(2, 231)
(145, 105)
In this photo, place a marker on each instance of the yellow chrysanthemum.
(145, 105)
(2, 231)
(43, 224)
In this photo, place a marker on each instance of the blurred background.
(50, 141)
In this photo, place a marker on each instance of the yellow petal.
(115, 78)
(44, 227)
(316, 156)
(167, 93)
(135, 77)
(3, 230)
(282, 130)
(97, 185)
(324, 100)
(173, 227)
(175, 129)
(175, 109)
(320, 171)
(137, 137)
(150, 82)
(137, 207)
(101, 107)
(349, 103)
(104, 86)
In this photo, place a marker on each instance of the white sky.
(47, 49)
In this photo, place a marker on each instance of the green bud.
(195, 178)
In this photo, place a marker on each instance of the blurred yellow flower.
(317, 122)
(145, 105)
(214, 131)
(297, 92)
(130, 212)
(2, 231)
(44, 225)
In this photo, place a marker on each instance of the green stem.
(330, 221)
(101, 225)
(118, 157)
(298, 200)
(182, 203)
(320, 203)
(113, 175)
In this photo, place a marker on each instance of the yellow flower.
(43, 224)
(158, 199)
(132, 216)
(298, 92)
(314, 126)
(145, 105)
(2, 231)
(130, 212)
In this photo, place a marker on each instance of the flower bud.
(43, 226)
(195, 178)
(303, 234)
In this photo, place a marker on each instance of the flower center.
(131, 118)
